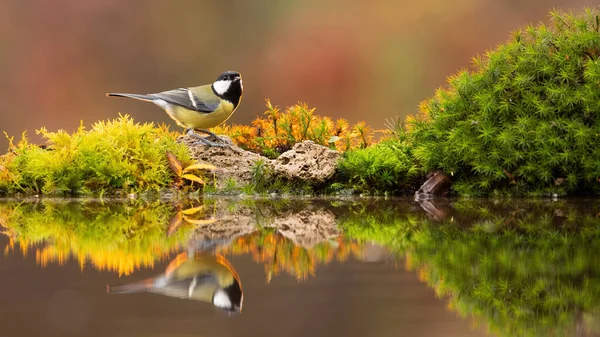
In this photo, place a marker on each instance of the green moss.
(525, 119)
(383, 168)
(117, 155)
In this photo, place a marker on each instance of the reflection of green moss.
(523, 269)
(117, 236)
(117, 155)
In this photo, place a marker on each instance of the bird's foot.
(210, 140)
(206, 142)
(212, 136)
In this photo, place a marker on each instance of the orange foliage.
(279, 130)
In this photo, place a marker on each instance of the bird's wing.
(177, 261)
(186, 98)
(183, 288)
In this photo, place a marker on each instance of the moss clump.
(526, 119)
(280, 130)
(117, 155)
(384, 168)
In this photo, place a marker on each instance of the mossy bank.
(523, 120)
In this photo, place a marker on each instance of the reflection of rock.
(436, 209)
(308, 162)
(307, 228)
(220, 233)
(232, 162)
(372, 252)
(229, 225)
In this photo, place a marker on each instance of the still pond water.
(231, 267)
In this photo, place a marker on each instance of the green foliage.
(386, 167)
(117, 155)
(520, 268)
(525, 119)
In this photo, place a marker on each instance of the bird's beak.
(237, 311)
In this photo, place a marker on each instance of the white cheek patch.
(221, 299)
(221, 86)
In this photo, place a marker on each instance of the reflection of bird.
(199, 108)
(200, 277)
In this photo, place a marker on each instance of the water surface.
(307, 267)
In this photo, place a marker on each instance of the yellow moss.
(113, 155)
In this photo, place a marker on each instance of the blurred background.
(360, 60)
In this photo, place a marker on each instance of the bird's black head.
(229, 76)
(229, 86)
(230, 298)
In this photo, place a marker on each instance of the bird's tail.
(134, 96)
(130, 288)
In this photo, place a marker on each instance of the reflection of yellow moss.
(118, 237)
(280, 254)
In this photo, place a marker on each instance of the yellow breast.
(201, 120)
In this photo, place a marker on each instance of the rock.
(438, 184)
(231, 161)
(307, 161)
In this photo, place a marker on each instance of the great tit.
(195, 276)
(199, 108)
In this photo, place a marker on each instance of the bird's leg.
(190, 132)
(214, 138)
(205, 140)
(211, 135)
